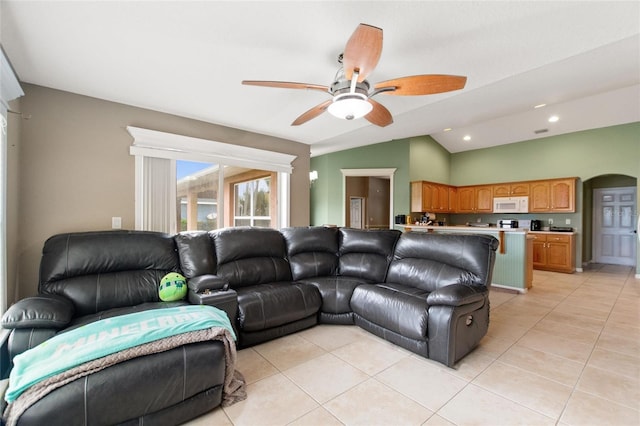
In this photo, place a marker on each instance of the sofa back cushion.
(366, 253)
(107, 269)
(249, 256)
(197, 254)
(312, 251)
(429, 261)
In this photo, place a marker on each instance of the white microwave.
(511, 205)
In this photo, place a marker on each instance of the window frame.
(252, 217)
(151, 143)
(10, 90)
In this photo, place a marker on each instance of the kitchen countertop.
(462, 228)
(553, 232)
(477, 229)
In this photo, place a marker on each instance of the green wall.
(428, 160)
(327, 191)
(610, 150)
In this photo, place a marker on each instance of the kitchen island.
(513, 269)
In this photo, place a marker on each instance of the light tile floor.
(566, 353)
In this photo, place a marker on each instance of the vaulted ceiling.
(581, 59)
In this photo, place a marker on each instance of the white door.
(356, 213)
(614, 225)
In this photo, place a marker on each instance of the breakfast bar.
(513, 269)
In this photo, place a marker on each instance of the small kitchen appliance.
(508, 223)
(536, 225)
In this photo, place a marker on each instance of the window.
(197, 195)
(184, 183)
(251, 202)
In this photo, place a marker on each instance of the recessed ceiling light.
(448, 129)
(467, 138)
(553, 119)
(540, 105)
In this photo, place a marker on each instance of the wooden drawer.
(558, 238)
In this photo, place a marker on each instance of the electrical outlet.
(116, 222)
(479, 220)
(567, 222)
(550, 221)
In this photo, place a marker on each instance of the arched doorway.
(610, 220)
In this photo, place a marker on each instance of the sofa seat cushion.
(395, 307)
(336, 292)
(110, 313)
(270, 305)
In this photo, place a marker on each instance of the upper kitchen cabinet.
(550, 196)
(514, 189)
(475, 199)
(430, 197)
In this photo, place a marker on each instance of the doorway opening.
(368, 193)
(611, 220)
(614, 225)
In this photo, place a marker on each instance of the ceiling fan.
(350, 91)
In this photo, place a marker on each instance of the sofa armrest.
(202, 283)
(42, 311)
(457, 295)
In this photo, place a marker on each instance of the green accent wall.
(586, 154)
(598, 158)
(327, 191)
(428, 160)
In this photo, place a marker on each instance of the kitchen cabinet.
(554, 252)
(429, 197)
(514, 189)
(545, 196)
(475, 199)
(453, 199)
(553, 196)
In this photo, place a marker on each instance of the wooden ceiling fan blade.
(379, 115)
(426, 84)
(362, 51)
(312, 113)
(286, 85)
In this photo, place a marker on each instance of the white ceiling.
(188, 58)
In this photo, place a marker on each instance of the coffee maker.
(536, 225)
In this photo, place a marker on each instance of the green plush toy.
(173, 286)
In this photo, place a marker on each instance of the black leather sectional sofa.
(428, 293)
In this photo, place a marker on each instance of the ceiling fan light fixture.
(349, 106)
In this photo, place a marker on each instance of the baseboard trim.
(506, 287)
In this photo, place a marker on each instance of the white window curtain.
(158, 195)
(9, 90)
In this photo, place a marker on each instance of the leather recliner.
(434, 300)
(93, 275)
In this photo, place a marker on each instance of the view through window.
(252, 203)
(247, 196)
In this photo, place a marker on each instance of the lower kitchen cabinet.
(554, 251)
